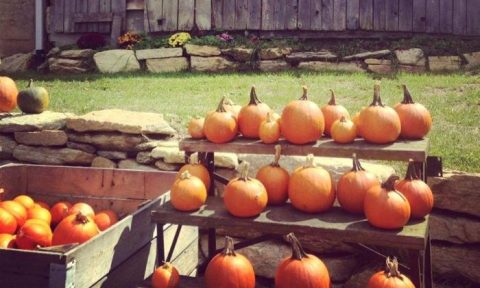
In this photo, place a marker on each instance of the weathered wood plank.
(106, 7)
(255, 19)
(92, 17)
(228, 15)
(58, 15)
(119, 7)
(69, 10)
(405, 15)
(324, 13)
(339, 15)
(82, 8)
(13, 180)
(153, 12)
(446, 16)
(170, 15)
(353, 13)
(291, 14)
(279, 14)
(241, 14)
(304, 8)
(134, 4)
(459, 17)
(93, 8)
(317, 9)
(203, 14)
(473, 19)
(419, 15)
(268, 11)
(391, 8)
(433, 16)
(366, 14)
(379, 15)
(35, 263)
(217, 11)
(186, 10)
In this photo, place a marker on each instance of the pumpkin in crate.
(59, 211)
(301, 269)
(188, 193)
(32, 234)
(415, 119)
(245, 196)
(83, 207)
(8, 223)
(417, 192)
(196, 169)
(275, 179)
(269, 131)
(379, 124)
(33, 100)
(37, 212)
(220, 125)
(252, 115)
(76, 228)
(343, 131)
(353, 185)
(195, 127)
(229, 269)
(16, 209)
(8, 94)
(386, 207)
(42, 204)
(25, 200)
(311, 188)
(105, 218)
(333, 112)
(7, 240)
(302, 120)
(390, 277)
(165, 276)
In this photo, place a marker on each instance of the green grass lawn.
(454, 100)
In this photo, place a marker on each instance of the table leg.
(160, 245)
(212, 243)
(416, 268)
(428, 279)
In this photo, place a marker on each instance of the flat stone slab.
(273, 65)
(82, 146)
(46, 120)
(211, 64)
(16, 63)
(114, 61)
(239, 54)
(369, 54)
(454, 229)
(158, 53)
(331, 66)
(7, 145)
(371, 61)
(273, 53)
(122, 121)
(444, 63)
(130, 164)
(147, 146)
(52, 156)
(112, 155)
(77, 53)
(473, 60)
(175, 64)
(42, 138)
(413, 56)
(202, 50)
(412, 68)
(311, 56)
(381, 69)
(108, 140)
(102, 162)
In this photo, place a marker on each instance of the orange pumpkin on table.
(220, 126)
(196, 169)
(275, 179)
(415, 119)
(34, 233)
(188, 193)
(390, 277)
(165, 276)
(105, 218)
(269, 131)
(252, 115)
(75, 228)
(8, 94)
(333, 112)
(195, 128)
(343, 131)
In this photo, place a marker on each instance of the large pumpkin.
(7, 240)
(252, 115)
(301, 269)
(417, 192)
(76, 228)
(332, 112)
(33, 99)
(245, 196)
(353, 185)
(302, 120)
(220, 126)
(16, 209)
(275, 179)
(311, 188)
(59, 211)
(8, 223)
(390, 277)
(415, 119)
(8, 94)
(379, 124)
(229, 269)
(385, 207)
(25, 200)
(40, 213)
(33, 234)
(165, 276)
(188, 193)
(196, 169)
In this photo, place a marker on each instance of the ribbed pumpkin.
(229, 269)
(195, 128)
(353, 185)
(302, 120)
(77, 228)
(196, 169)
(8, 94)
(8, 223)
(417, 192)
(37, 212)
(311, 188)
(83, 207)
(275, 179)
(385, 207)
(59, 211)
(332, 112)
(33, 234)
(269, 130)
(188, 193)
(415, 119)
(25, 200)
(220, 126)
(165, 276)
(390, 277)
(301, 269)
(7, 240)
(42, 204)
(252, 115)
(343, 131)
(16, 209)
(245, 196)
(105, 218)
(379, 124)
(231, 107)
(33, 99)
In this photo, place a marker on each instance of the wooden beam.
(93, 17)
(419, 16)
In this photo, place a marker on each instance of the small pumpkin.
(415, 119)
(188, 193)
(343, 131)
(417, 192)
(390, 277)
(196, 169)
(105, 218)
(195, 128)
(37, 212)
(269, 130)
(333, 112)
(220, 126)
(353, 185)
(252, 115)
(83, 207)
(386, 207)
(229, 269)
(33, 100)
(33, 234)
(25, 200)
(165, 276)
(8, 223)
(245, 196)
(76, 228)
(301, 269)
(7, 240)
(311, 188)
(275, 179)
(16, 209)
(59, 211)
(302, 120)
(8, 94)
(231, 107)
(380, 124)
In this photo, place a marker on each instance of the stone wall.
(17, 26)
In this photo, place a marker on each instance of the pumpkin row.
(310, 188)
(26, 224)
(31, 100)
(302, 121)
(232, 269)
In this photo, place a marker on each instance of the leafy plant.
(128, 40)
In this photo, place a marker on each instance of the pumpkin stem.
(411, 171)
(166, 265)
(377, 101)
(82, 218)
(221, 107)
(229, 247)
(407, 97)
(278, 151)
(310, 161)
(297, 250)
(391, 268)
(342, 119)
(185, 175)
(228, 101)
(389, 185)
(305, 93)
(30, 83)
(332, 98)
(244, 171)
(270, 117)
(253, 97)
(356, 164)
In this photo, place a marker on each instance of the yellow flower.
(179, 39)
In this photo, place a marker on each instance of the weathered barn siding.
(17, 26)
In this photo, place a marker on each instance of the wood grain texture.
(304, 12)
(186, 10)
(379, 15)
(255, 18)
(473, 18)
(405, 15)
(446, 16)
(433, 16)
(268, 11)
(291, 14)
(119, 8)
(324, 14)
(217, 13)
(353, 13)
(419, 15)
(203, 14)
(105, 7)
(228, 22)
(459, 17)
(93, 7)
(279, 14)
(339, 15)
(391, 8)
(241, 14)
(366, 14)
(170, 15)
(69, 10)
(58, 15)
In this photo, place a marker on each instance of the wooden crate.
(120, 256)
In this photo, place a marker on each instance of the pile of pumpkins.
(26, 224)
(32, 100)
(303, 121)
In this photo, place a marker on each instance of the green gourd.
(33, 100)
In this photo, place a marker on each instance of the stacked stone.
(163, 59)
(274, 59)
(323, 60)
(70, 61)
(209, 59)
(16, 63)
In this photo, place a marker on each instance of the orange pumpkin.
(59, 211)
(343, 131)
(195, 128)
(37, 212)
(220, 126)
(356, 121)
(16, 209)
(379, 124)
(196, 169)
(165, 276)
(229, 269)
(353, 185)
(417, 192)
(252, 115)
(8, 94)
(42, 204)
(104, 219)
(85, 208)
(269, 130)
(8, 223)
(302, 120)
(385, 207)
(311, 188)
(415, 119)
(390, 277)
(245, 196)
(301, 269)
(333, 112)
(7, 241)
(33, 234)
(231, 107)
(76, 228)
(275, 179)
(25, 200)
(188, 193)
